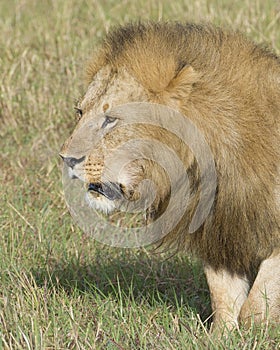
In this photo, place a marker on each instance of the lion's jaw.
(120, 184)
(100, 203)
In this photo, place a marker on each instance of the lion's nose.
(70, 161)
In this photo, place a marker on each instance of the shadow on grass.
(176, 281)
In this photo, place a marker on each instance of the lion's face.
(99, 133)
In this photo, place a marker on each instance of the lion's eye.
(108, 120)
(79, 113)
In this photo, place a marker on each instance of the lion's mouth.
(109, 190)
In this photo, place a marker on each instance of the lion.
(229, 87)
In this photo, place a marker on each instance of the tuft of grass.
(59, 288)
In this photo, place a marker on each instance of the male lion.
(228, 87)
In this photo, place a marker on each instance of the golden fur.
(230, 88)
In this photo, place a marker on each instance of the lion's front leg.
(263, 302)
(228, 293)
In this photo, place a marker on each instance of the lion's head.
(124, 71)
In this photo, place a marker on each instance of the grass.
(59, 288)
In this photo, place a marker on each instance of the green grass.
(59, 289)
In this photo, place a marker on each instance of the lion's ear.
(181, 85)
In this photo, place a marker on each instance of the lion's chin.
(100, 203)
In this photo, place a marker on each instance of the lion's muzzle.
(109, 190)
